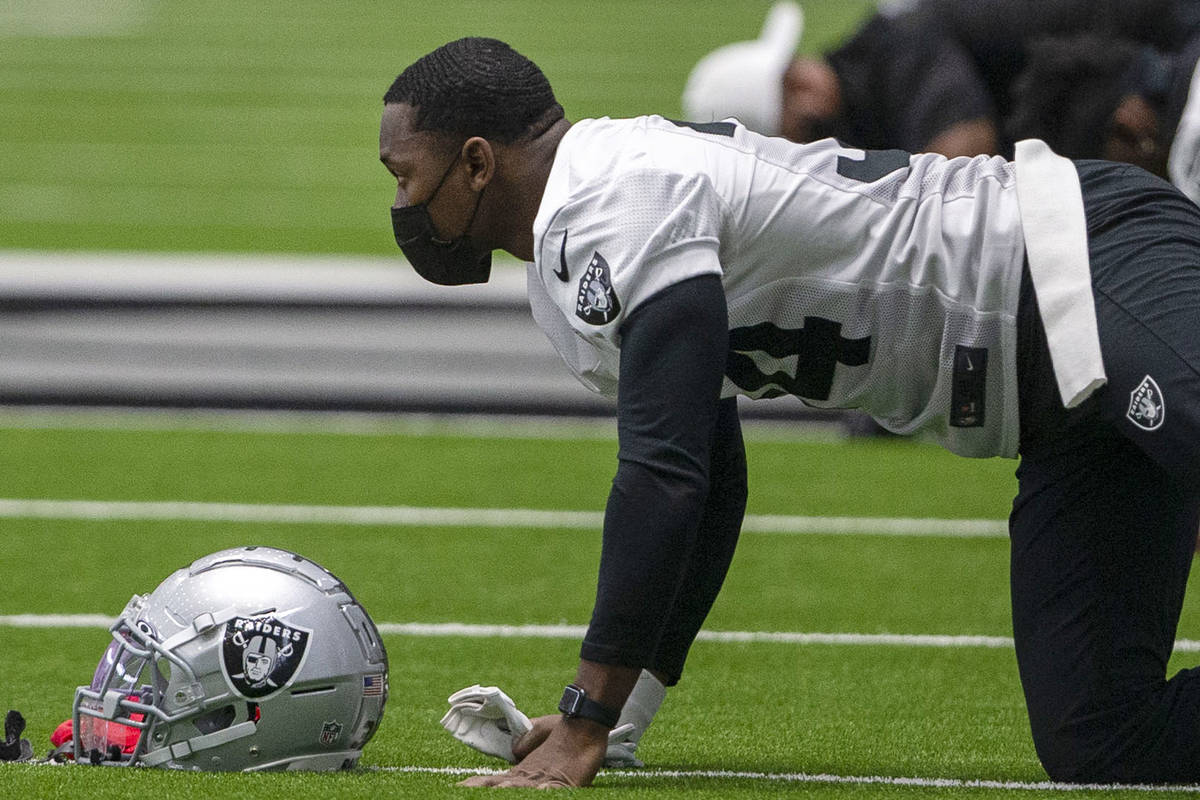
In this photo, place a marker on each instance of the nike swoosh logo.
(562, 274)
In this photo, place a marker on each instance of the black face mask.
(448, 263)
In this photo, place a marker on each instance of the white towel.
(1056, 245)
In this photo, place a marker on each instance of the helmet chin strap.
(199, 744)
(202, 624)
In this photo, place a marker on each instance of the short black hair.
(1069, 90)
(477, 87)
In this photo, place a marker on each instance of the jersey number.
(715, 128)
(818, 348)
(873, 165)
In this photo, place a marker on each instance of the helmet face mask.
(249, 659)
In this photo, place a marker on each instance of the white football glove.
(622, 747)
(486, 719)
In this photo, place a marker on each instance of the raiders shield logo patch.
(261, 655)
(597, 303)
(1146, 407)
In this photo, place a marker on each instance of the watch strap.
(576, 703)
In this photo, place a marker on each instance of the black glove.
(14, 747)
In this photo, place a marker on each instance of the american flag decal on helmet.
(373, 685)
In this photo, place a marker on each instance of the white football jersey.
(854, 279)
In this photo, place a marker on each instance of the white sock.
(643, 702)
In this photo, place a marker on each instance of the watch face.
(571, 700)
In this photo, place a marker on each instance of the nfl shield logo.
(1146, 407)
(330, 731)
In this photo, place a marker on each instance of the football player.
(894, 83)
(929, 75)
(1093, 97)
(1041, 307)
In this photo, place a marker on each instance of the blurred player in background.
(998, 34)
(1101, 97)
(919, 75)
(1042, 307)
(891, 85)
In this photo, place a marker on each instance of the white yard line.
(57, 620)
(805, 778)
(576, 632)
(483, 631)
(74, 18)
(825, 778)
(105, 510)
(777, 637)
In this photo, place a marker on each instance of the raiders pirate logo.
(261, 655)
(1146, 407)
(597, 303)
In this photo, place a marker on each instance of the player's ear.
(480, 159)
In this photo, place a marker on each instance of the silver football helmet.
(249, 659)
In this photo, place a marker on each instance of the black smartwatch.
(576, 703)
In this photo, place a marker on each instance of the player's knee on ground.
(1074, 750)
(1117, 739)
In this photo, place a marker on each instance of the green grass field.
(843, 710)
(212, 125)
(230, 126)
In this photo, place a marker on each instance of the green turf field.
(233, 126)
(749, 718)
(213, 125)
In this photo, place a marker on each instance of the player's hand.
(622, 742)
(485, 718)
(570, 757)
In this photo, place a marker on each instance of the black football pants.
(1106, 518)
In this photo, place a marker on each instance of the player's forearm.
(650, 530)
(636, 609)
(716, 540)
(672, 365)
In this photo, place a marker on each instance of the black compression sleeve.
(672, 365)
(713, 551)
